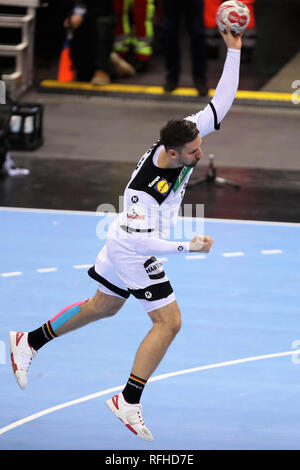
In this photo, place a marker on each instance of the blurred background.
(75, 123)
(85, 88)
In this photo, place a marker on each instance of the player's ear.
(172, 153)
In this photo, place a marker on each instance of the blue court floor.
(230, 380)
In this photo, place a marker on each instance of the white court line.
(234, 253)
(255, 222)
(22, 421)
(51, 211)
(234, 221)
(82, 266)
(46, 270)
(271, 252)
(195, 256)
(16, 273)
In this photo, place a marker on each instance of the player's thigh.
(167, 316)
(105, 304)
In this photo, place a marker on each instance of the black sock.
(41, 336)
(133, 389)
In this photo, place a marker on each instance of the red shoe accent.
(115, 400)
(131, 428)
(18, 337)
(15, 367)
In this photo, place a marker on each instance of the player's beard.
(193, 164)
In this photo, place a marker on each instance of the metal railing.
(21, 78)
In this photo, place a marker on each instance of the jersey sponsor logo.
(162, 186)
(136, 212)
(135, 216)
(153, 182)
(157, 182)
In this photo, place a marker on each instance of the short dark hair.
(178, 132)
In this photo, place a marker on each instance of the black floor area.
(265, 195)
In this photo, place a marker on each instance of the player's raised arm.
(229, 81)
(209, 119)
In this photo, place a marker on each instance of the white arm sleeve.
(157, 246)
(208, 120)
(144, 215)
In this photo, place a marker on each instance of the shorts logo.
(148, 294)
(162, 186)
(180, 248)
(134, 199)
(154, 268)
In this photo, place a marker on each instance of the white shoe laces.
(25, 360)
(25, 356)
(135, 415)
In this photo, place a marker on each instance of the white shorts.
(121, 272)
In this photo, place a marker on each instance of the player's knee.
(175, 319)
(169, 319)
(175, 325)
(103, 306)
(106, 310)
(172, 326)
(110, 311)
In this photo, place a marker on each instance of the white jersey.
(153, 195)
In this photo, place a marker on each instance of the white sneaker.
(21, 355)
(130, 415)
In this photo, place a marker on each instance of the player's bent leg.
(24, 346)
(101, 305)
(166, 324)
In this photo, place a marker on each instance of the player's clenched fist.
(201, 244)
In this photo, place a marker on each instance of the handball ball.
(234, 13)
